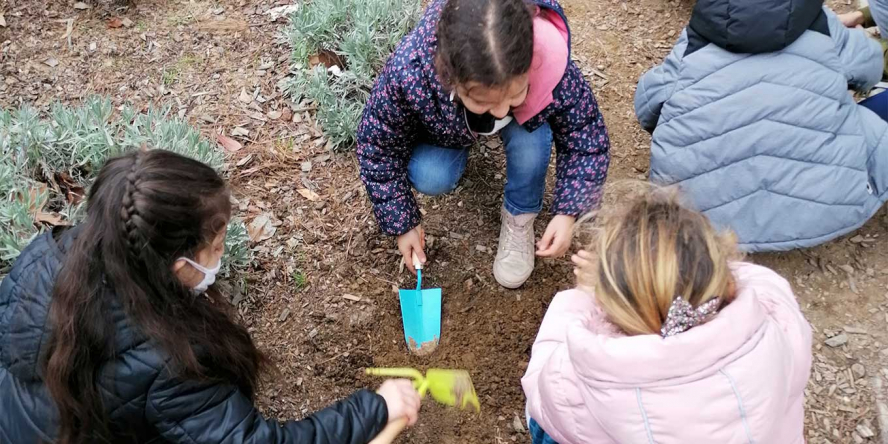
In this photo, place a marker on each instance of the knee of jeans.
(530, 161)
(432, 181)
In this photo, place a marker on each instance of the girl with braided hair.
(112, 331)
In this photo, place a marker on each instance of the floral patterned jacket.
(409, 105)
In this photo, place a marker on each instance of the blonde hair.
(651, 250)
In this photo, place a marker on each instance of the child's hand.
(410, 242)
(584, 269)
(852, 19)
(556, 239)
(401, 400)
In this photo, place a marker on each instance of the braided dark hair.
(129, 212)
(145, 210)
(484, 41)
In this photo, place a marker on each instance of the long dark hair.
(145, 210)
(484, 41)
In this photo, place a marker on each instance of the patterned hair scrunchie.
(683, 316)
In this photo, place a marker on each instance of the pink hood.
(550, 57)
(739, 378)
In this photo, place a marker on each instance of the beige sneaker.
(515, 255)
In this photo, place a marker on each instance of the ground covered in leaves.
(321, 297)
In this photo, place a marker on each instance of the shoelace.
(515, 240)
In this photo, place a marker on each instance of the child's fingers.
(580, 261)
(408, 260)
(544, 246)
(562, 242)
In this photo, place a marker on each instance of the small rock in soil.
(855, 330)
(857, 438)
(859, 370)
(313, 333)
(517, 424)
(81, 6)
(306, 167)
(865, 431)
(837, 341)
(284, 315)
(847, 268)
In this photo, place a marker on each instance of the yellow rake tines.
(449, 387)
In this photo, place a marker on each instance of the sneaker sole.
(508, 284)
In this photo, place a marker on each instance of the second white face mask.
(209, 275)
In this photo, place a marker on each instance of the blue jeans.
(537, 434)
(877, 104)
(435, 170)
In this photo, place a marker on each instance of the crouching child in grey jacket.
(751, 117)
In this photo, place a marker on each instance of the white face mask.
(209, 275)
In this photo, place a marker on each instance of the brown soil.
(203, 57)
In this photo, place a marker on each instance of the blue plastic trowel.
(421, 311)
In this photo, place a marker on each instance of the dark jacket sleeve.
(582, 144)
(205, 413)
(386, 137)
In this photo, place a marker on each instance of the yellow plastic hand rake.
(449, 387)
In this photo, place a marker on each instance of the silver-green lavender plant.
(362, 33)
(75, 142)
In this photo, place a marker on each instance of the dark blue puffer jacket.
(145, 402)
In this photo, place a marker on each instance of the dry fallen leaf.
(51, 62)
(81, 6)
(114, 23)
(240, 132)
(53, 219)
(127, 22)
(34, 198)
(228, 144)
(2, 21)
(245, 160)
(244, 96)
(261, 228)
(74, 192)
(309, 194)
(69, 29)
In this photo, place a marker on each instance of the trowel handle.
(390, 432)
(409, 373)
(416, 263)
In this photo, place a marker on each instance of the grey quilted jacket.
(751, 116)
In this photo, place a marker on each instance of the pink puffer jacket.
(739, 378)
